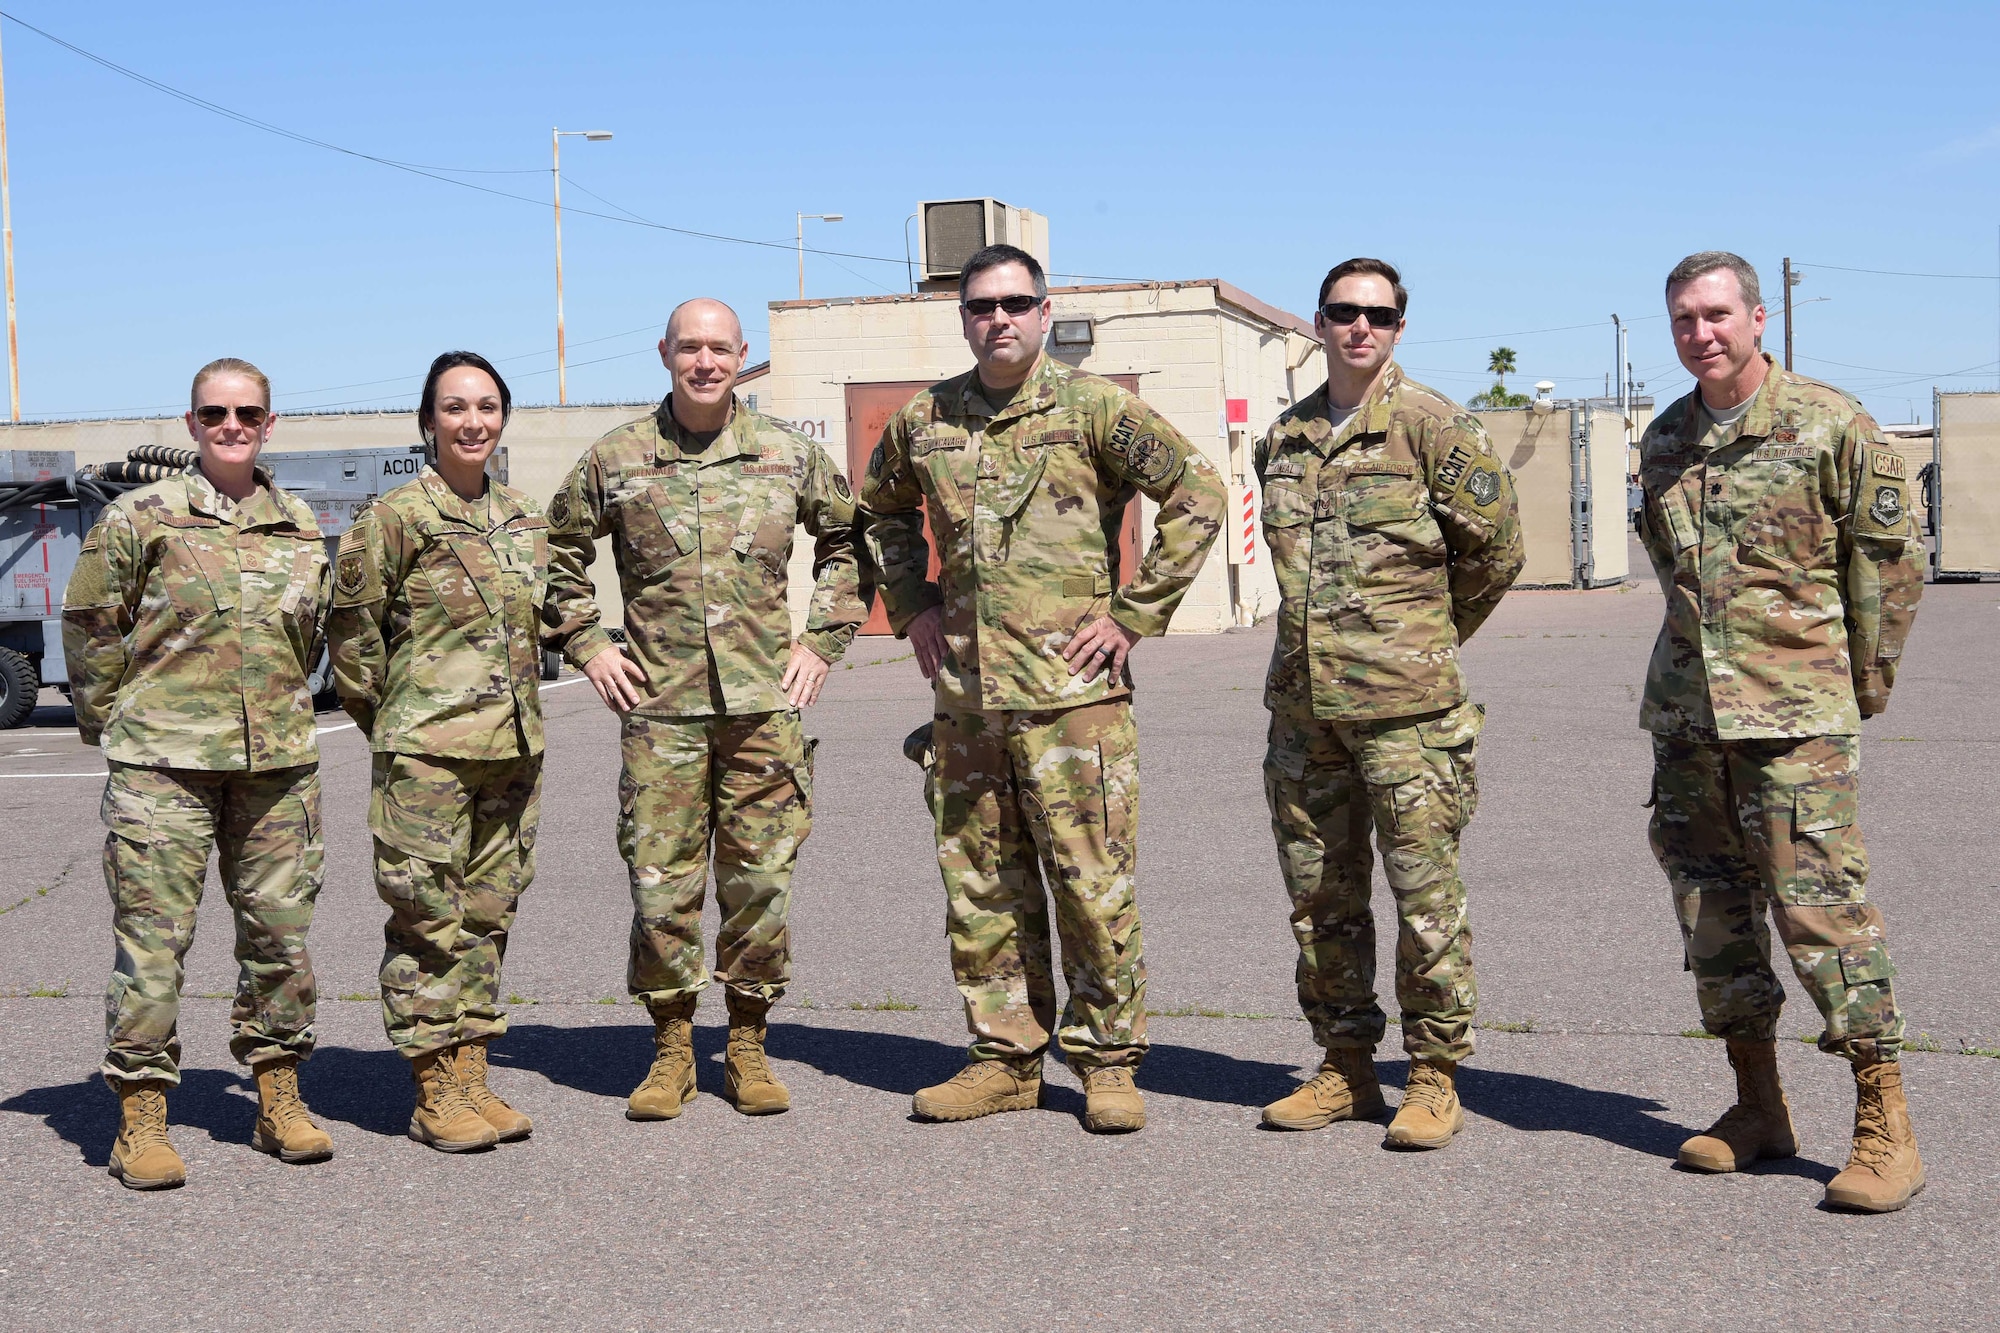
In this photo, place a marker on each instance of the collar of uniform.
(1755, 422)
(259, 509)
(1370, 418)
(1036, 392)
(676, 442)
(456, 507)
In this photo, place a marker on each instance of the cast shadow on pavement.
(367, 1089)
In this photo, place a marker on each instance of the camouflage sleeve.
(826, 507)
(893, 528)
(357, 629)
(1138, 445)
(1472, 494)
(1881, 560)
(576, 520)
(99, 610)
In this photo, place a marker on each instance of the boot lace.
(1116, 1078)
(748, 1055)
(448, 1096)
(287, 1107)
(1428, 1089)
(472, 1074)
(148, 1127)
(1871, 1135)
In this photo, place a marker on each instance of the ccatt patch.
(1484, 487)
(1150, 459)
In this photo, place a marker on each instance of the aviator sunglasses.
(249, 414)
(1343, 313)
(1013, 305)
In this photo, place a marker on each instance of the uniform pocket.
(653, 535)
(1380, 502)
(1822, 807)
(127, 814)
(1118, 767)
(416, 814)
(457, 575)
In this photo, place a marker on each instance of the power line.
(630, 218)
(1898, 273)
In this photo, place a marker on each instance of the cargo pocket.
(1456, 736)
(127, 814)
(802, 772)
(1118, 774)
(1824, 853)
(1864, 963)
(397, 815)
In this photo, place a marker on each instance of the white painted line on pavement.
(54, 775)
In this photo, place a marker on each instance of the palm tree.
(1501, 364)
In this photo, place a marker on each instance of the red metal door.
(869, 407)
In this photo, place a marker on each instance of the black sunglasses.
(1343, 313)
(1013, 305)
(249, 414)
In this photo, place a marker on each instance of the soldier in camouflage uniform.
(438, 595)
(1026, 466)
(702, 498)
(190, 625)
(1778, 522)
(1394, 533)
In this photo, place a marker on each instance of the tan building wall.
(1192, 346)
(1536, 449)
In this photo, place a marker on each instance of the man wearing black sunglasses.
(1026, 467)
(1393, 532)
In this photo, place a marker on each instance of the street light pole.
(819, 217)
(7, 231)
(555, 157)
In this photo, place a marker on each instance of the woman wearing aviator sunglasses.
(437, 615)
(190, 625)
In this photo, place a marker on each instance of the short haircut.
(675, 314)
(1381, 268)
(228, 365)
(1713, 261)
(993, 256)
(427, 403)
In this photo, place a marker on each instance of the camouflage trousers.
(1028, 801)
(745, 782)
(1412, 781)
(454, 851)
(1740, 826)
(264, 829)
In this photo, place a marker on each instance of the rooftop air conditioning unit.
(951, 230)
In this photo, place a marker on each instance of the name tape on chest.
(1778, 452)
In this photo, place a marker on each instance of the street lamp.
(555, 154)
(817, 217)
(7, 223)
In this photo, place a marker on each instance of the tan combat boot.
(444, 1117)
(508, 1123)
(284, 1127)
(1345, 1088)
(1111, 1101)
(141, 1158)
(1759, 1125)
(1883, 1172)
(669, 1084)
(1430, 1114)
(747, 1079)
(983, 1087)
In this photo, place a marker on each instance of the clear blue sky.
(1529, 167)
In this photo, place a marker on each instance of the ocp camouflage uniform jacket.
(703, 539)
(1790, 561)
(436, 624)
(1027, 504)
(191, 626)
(1393, 538)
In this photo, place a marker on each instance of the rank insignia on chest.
(1785, 435)
(1884, 463)
(1483, 486)
(350, 577)
(1887, 508)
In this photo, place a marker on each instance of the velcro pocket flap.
(1460, 726)
(1864, 962)
(1375, 499)
(1391, 766)
(1830, 804)
(1285, 505)
(127, 814)
(1006, 494)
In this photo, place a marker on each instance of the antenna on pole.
(1792, 279)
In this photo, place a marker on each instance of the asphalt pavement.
(1558, 1203)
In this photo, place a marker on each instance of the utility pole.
(1792, 279)
(7, 230)
(555, 169)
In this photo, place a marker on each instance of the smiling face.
(467, 420)
(231, 446)
(1004, 345)
(1716, 334)
(704, 350)
(1358, 350)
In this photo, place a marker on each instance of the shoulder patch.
(1886, 463)
(89, 541)
(560, 508)
(1149, 459)
(840, 487)
(1483, 485)
(1886, 506)
(1453, 468)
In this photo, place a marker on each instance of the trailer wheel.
(19, 684)
(551, 664)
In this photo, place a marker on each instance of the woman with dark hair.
(437, 613)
